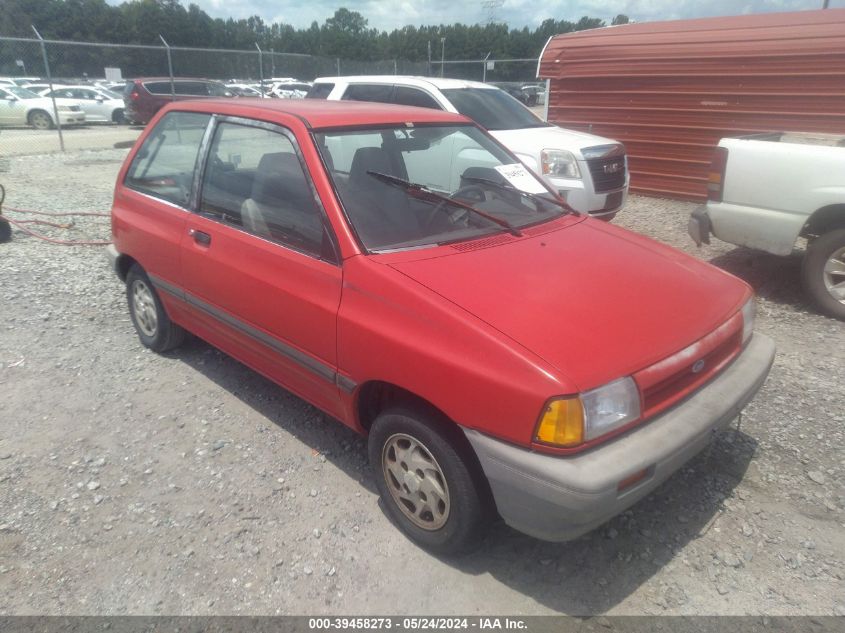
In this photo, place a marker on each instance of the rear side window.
(158, 87)
(164, 167)
(191, 88)
(254, 180)
(382, 93)
(415, 97)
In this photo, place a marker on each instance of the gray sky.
(390, 14)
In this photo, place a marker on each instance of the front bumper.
(560, 498)
(71, 118)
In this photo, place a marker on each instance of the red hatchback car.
(402, 271)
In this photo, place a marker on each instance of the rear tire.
(429, 484)
(154, 327)
(118, 117)
(40, 120)
(823, 273)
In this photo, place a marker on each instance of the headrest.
(368, 159)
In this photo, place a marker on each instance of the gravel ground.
(187, 484)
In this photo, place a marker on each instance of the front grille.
(666, 382)
(607, 173)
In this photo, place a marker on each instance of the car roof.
(320, 113)
(441, 83)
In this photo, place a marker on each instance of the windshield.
(492, 109)
(405, 187)
(20, 93)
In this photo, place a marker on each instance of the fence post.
(395, 69)
(260, 67)
(169, 68)
(484, 70)
(337, 59)
(429, 58)
(50, 82)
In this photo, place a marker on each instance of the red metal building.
(671, 90)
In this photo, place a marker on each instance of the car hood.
(532, 140)
(594, 301)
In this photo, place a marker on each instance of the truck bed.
(800, 138)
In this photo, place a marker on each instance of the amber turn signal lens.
(562, 423)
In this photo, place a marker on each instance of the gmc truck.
(768, 190)
(588, 171)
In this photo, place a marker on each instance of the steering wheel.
(471, 192)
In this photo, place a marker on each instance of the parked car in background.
(244, 90)
(588, 171)
(144, 97)
(19, 106)
(99, 105)
(502, 353)
(290, 89)
(17, 81)
(526, 96)
(765, 191)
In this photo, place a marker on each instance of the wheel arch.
(827, 218)
(122, 265)
(32, 111)
(376, 396)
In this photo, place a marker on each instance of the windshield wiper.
(424, 193)
(526, 194)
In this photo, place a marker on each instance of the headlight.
(567, 422)
(559, 162)
(749, 311)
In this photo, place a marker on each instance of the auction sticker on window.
(520, 178)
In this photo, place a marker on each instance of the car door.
(8, 114)
(151, 209)
(261, 274)
(13, 109)
(93, 104)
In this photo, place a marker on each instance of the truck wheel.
(427, 481)
(154, 327)
(823, 273)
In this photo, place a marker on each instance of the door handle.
(200, 237)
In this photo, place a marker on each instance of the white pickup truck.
(589, 172)
(768, 190)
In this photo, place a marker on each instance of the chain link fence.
(33, 124)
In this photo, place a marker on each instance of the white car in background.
(19, 106)
(98, 104)
(588, 171)
(290, 89)
(244, 90)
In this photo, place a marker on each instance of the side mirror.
(11, 98)
(99, 99)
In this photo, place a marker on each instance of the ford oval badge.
(698, 366)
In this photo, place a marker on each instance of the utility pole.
(442, 54)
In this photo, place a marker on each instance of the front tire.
(429, 483)
(118, 117)
(40, 120)
(823, 273)
(154, 327)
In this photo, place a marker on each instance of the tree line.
(346, 34)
